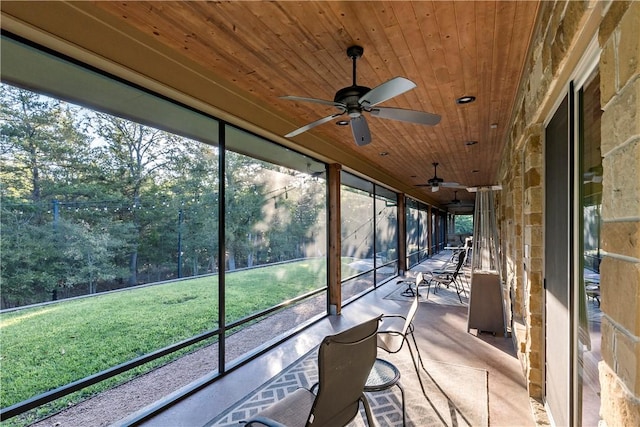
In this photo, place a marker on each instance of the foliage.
(464, 224)
(90, 254)
(245, 188)
(31, 265)
(94, 202)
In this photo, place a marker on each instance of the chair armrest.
(393, 315)
(443, 270)
(392, 332)
(263, 421)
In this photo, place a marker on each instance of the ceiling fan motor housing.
(349, 96)
(355, 52)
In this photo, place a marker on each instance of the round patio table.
(383, 376)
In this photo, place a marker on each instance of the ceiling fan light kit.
(354, 100)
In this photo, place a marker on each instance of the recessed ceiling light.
(465, 99)
(494, 125)
(471, 143)
(342, 122)
(384, 153)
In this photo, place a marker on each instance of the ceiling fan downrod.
(354, 52)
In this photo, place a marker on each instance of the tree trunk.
(133, 268)
(232, 261)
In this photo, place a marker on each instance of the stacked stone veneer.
(619, 38)
(521, 227)
(561, 26)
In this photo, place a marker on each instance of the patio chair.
(411, 285)
(395, 331)
(447, 277)
(344, 363)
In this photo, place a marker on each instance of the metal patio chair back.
(344, 363)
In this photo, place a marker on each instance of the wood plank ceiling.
(448, 48)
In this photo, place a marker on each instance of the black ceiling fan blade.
(360, 130)
(315, 100)
(312, 125)
(387, 90)
(411, 116)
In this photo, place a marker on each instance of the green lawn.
(49, 346)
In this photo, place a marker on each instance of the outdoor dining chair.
(448, 277)
(344, 363)
(412, 285)
(395, 331)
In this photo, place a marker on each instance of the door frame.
(583, 70)
(558, 238)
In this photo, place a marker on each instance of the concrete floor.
(441, 333)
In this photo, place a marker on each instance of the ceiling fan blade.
(411, 116)
(360, 130)
(387, 90)
(452, 185)
(317, 101)
(312, 125)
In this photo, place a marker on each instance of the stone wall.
(619, 38)
(564, 30)
(532, 263)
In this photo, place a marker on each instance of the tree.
(464, 224)
(302, 216)
(38, 139)
(244, 191)
(139, 156)
(90, 253)
(195, 209)
(32, 265)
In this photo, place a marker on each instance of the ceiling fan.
(355, 100)
(458, 202)
(435, 183)
(455, 200)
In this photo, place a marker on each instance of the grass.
(49, 346)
